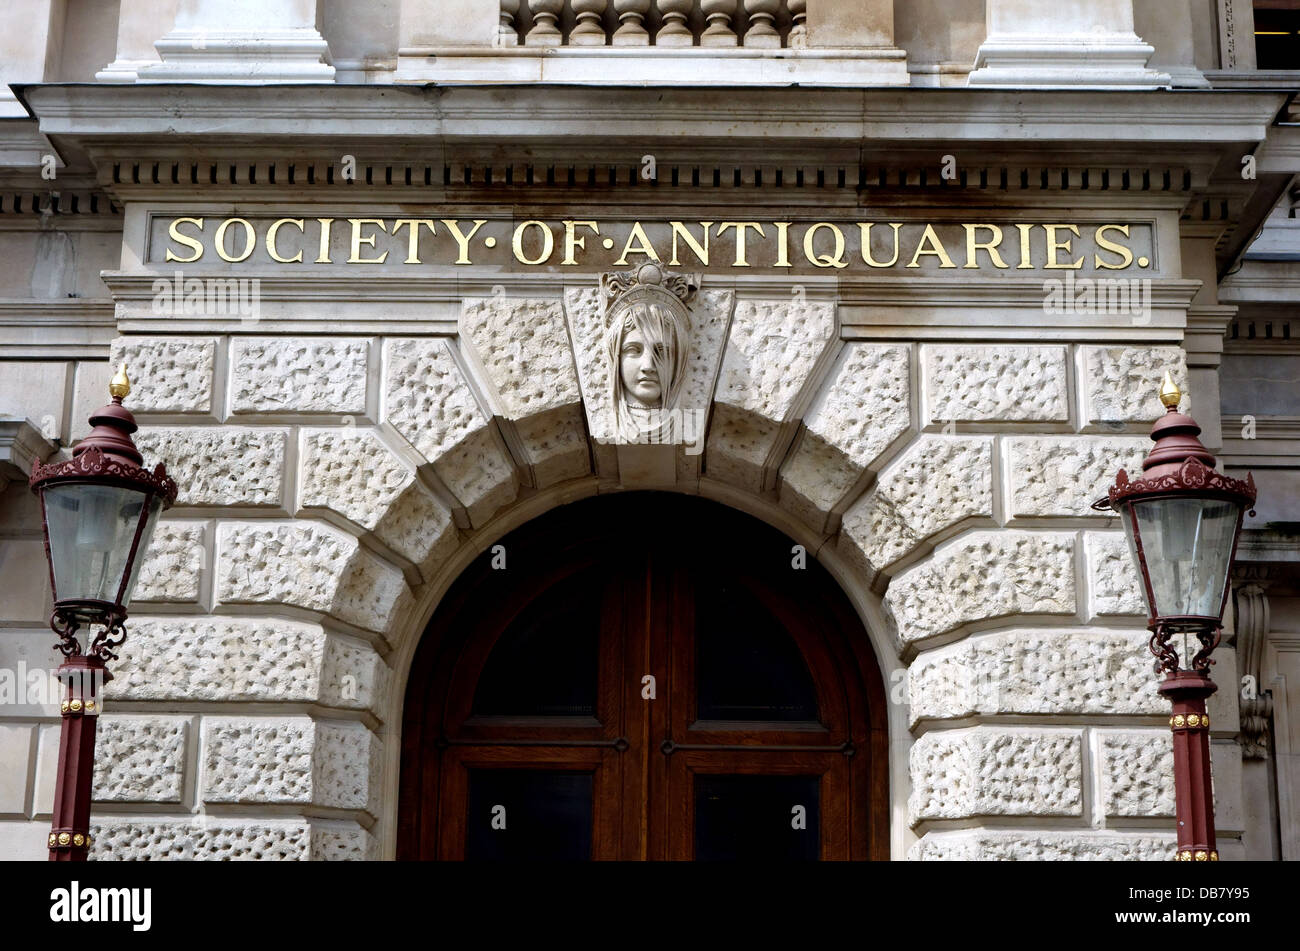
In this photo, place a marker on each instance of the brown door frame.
(624, 745)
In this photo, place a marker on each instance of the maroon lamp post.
(1182, 520)
(99, 510)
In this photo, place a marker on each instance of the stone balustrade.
(757, 24)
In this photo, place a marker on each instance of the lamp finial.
(1170, 395)
(120, 386)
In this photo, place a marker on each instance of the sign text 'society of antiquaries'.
(596, 244)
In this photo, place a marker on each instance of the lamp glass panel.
(155, 507)
(1188, 544)
(91, 528)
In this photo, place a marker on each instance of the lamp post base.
(1187, 690)
(83, 678)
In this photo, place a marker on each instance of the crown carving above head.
(648, 282)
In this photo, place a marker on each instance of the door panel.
(542, 793)
(756, 818)
(748, 811)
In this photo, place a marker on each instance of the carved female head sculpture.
(647, 339)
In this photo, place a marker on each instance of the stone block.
(981, 576)
(524, 348)
(1226, 783)
(426, 398)
(1062, 476)
(970, 384)
(774, 350)
(90, 392)
(1136, 771)
(371, 593)
(978, 845)
(353, 676)
(140, 758)
(235, 659)
(168, 374)
(342, 842)
(480, 475)
(1027, 672)
(555, 444)
(173, 566)
(429, 403)
(38, 390)
(47, 768)
(419, 528)
(859, 415)
(1116, 586)
(289, 760)
(585, 316)
(738, 447)
(307, 564)
(220, 465)
(144, 838)
(22, 841)
(352, 472)
(298, 375)
(815, 477)
(1122, 384)
(207, 838)
(996, 771)
(15, 767)
(25, 593)
(939, 482)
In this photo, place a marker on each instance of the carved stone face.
(639, 364)
(647, 342)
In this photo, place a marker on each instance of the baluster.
(799, 26)
(544, 31)
(590, 28)
(761, 32)
(507, 35)
(674, 30)
(630, 31)
(718, 32)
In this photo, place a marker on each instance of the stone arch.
(813, 435)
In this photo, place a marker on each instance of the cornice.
(528, 113)
(22, 144)
(1275, 441)
(66, 328)
(931, 308)
(1264, 282)
(1267, 546)
(21, 447)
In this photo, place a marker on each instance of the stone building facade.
(931, 261)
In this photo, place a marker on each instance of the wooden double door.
(644, 676)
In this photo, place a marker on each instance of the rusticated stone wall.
(331, 487)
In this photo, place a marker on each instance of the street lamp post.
(1183, 520)
(98, 512)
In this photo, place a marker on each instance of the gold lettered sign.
(900, 247)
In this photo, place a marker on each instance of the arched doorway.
(644, 676)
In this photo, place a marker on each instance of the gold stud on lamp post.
(98, 511)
